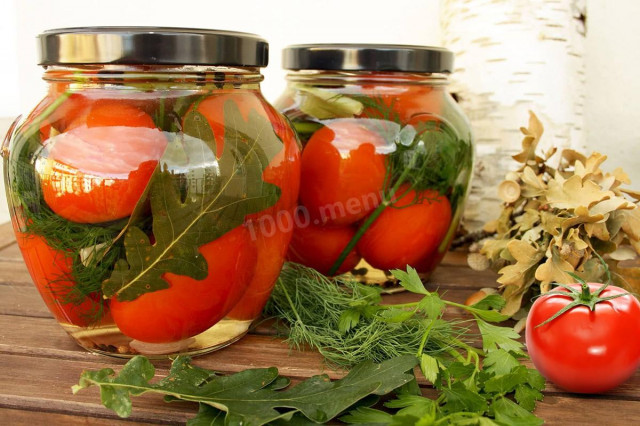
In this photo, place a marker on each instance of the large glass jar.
(386, 161)
(134, 183)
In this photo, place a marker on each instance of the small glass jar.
(133, 185)
(386, 161)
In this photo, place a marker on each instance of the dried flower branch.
(553, 220)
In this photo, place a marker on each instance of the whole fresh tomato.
(189, 307)
(342, 172)
(584, 350)
(408, 232)
(320, 246)
(98, 169)
(50, 271)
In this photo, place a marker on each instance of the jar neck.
(321, 77)
(189, 75)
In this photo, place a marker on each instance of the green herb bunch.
(348, 323)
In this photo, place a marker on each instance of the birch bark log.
(513, 56)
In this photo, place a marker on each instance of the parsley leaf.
(508, 413)
(500, 362)
(494, 337)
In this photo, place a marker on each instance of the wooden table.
(39, 363)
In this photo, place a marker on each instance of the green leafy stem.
(251, 397)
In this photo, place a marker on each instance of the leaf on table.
(208, 416)
(488, 314)
(432, 305)
(430, 367)
(413, 406)
(218, 197)
(458, 398)
(527, 396)
(490, 301)
(500, 362)
(247, 397)
(508, 413)
(366, 415)
(410, 280)
(348, 320)
(506, 383)
(495, 337)
(393, 315)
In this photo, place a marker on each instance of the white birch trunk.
(512, 56)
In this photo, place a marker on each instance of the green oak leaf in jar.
(387, 157)
(133, 183)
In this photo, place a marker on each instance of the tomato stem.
(584, 297)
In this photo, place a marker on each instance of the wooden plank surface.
(39, 362)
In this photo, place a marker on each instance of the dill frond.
(312, 305)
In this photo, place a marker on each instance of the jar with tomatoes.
(386, 161)
(133, 186)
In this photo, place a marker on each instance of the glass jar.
(133, 184)
(386, 161)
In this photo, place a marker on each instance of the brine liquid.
(108, 340)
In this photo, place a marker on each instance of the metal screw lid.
(151, 45)
(367, 57)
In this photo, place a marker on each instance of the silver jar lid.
(367, 57)
(151, 45)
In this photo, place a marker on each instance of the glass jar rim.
(368, 57)
(151, 45)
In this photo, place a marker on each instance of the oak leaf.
(526, 257)
(591, 166)
(574, 193)
(554, 270)
(533, 184)
(217, 200)
(532, 136)
(631, 225)
(598, 230)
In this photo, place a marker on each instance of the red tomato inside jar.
(387, 156)
(135, 185)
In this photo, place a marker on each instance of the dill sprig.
(347, 323)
